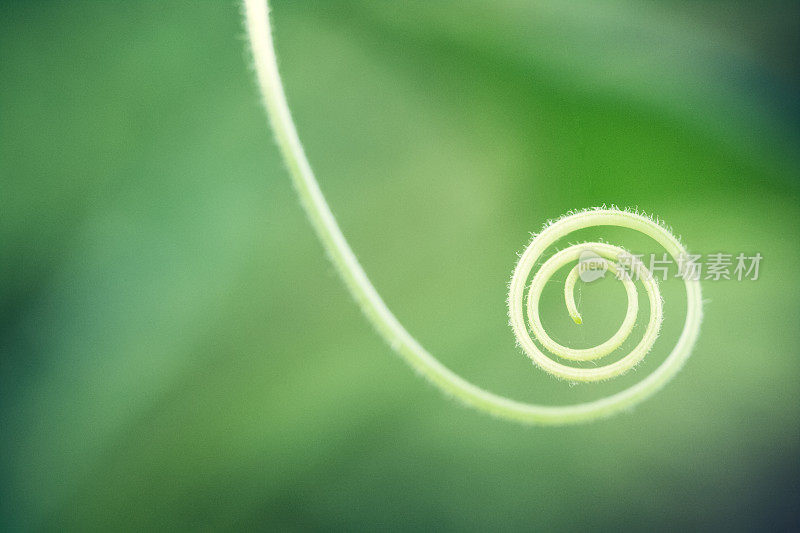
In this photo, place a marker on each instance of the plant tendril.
(387, 325)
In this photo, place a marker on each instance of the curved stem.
(374, 308)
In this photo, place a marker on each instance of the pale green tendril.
(376, 311)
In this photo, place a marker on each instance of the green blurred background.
(177, 353)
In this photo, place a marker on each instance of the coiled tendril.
(406, 345)
(611, 256)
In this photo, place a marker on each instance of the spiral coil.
(610, 257)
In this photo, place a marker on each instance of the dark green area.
(177, 352)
